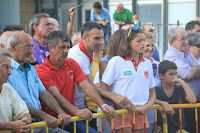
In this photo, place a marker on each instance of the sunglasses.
(134, 28)
(197, 45)
(152, 30)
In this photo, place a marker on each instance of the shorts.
(128, 121)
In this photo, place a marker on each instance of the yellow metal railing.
(124, 111)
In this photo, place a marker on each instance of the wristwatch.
(104, 105)
(34, 63)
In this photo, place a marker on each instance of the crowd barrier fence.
(124, 111)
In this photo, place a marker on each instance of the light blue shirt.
(28, 86)
(104, 16)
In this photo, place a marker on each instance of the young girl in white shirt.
(131, 75)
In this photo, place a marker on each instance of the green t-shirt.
(127, 15)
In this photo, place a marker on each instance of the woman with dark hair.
(110, 51)
(131, 75)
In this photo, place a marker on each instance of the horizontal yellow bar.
(121, 111)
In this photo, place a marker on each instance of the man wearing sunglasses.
(194, 44)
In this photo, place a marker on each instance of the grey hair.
(36, 20)
(13, 39)
(4, 53)
(193, 38)
(55, 36)
(172, 34)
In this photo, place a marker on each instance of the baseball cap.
(125, 22)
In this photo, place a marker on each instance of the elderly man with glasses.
(25, 81)
(14, 114)
(188, 67)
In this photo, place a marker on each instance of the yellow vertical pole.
(123, 123)
(164, 117)
(133, 122)
(87, 131)
(145, 121)
(32, 130)
(196, 120)
(156, 118)
(75, 127)
(100, 126)
(180, 118)
(112, 125)
(47, 129)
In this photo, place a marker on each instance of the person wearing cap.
(126, 24)
(194, 45)
(122, 14)
(101, 16)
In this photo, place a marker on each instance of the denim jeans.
(80, 127)
(107, 37)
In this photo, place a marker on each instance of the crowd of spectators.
(51, 74)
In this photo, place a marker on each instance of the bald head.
(5, 36)
(120, 8)
(54, 23)
(18, 37)
(196, 19)
(21, 47)
(147, 27)
(3, 39)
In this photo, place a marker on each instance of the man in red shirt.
(58, 75)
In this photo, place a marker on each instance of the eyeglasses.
(183, 39)
(6, 67)
(152, 30)
(127, 22)
(27, 47)
(197, 45)
(134, 28)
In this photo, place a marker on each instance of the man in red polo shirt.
(58, 75)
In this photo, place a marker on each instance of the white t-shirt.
(123, 79)
(84, 62)
(12, 107)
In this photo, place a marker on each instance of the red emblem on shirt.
(70, 73)
(146, 74)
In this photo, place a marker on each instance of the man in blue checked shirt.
(26, 82)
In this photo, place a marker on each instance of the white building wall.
(9, 12)
(182, 11)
